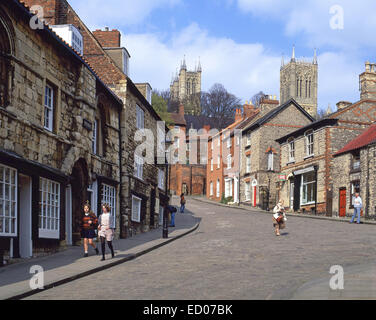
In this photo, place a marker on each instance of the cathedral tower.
(186, 88)
(299, 80)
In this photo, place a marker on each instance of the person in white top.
(358, 205)
(106, 232)
(279, 217)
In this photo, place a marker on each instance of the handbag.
(280, 218)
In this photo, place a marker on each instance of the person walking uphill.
(279, 217)
(358, 205)
(182, 203)
(106, 232)
(89, 223)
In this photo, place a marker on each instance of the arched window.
(5, 67)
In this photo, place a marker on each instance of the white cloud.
(244, 69)
(312, 18)
(117, 12)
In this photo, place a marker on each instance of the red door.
(342, 202)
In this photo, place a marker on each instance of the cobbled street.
(234, 254)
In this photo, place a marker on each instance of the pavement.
(70, 265)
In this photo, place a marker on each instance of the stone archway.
(79, 183)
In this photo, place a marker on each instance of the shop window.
(49, 209)
(308, 188)
(109, 197)
(8, 201)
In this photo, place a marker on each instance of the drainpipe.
(316, 176)
(121, 175)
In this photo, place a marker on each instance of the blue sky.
(240, 42)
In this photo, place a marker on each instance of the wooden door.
(342, 202)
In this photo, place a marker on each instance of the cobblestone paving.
(233, 255)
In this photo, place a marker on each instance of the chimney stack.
(367, 82)
(108, 38)
(181, 109)
(343, 104)
(238, 115)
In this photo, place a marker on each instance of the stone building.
(307, 153)
(59, 138)
(260, 165)
(142, 185)
(355, 168)
(186, 88)
(299, 81)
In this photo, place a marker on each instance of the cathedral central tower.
(299, 80)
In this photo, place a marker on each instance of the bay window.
(49, 209)
(8, 201)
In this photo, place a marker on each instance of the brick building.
(260, 165)
(307, 154)
(142, 187)
(59, 138)
(188, 176)
(355, 168)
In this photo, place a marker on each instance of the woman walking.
(182, 203)
(279, 217)
(106, 232)
(88, 224)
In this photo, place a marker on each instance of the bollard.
(165, 224)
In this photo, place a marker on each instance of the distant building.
(186, 88)
(299, 81)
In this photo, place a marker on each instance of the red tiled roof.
(367, 137)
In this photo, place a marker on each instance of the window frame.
(140, 117)
(248, 164)
(49, 109)
(45, 214)
(138, 167)
(291, 146)
(270, 161)
(138, 218)
(309, 144)
(12, 204)
(110, 199)
(304, 189)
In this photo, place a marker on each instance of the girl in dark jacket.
(89, 223)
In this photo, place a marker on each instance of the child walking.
(106, 232)
(88, 224)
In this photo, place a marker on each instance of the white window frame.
(228, 188)
(309, 143)
(161, 210)
(248, 139)
(95, 136)
(109, 197)
(248, 191)
(304, 186)
(229, 161)
(140, 117)
(48, 107)
(218, 189)
(291, 150)
(248, 164)
(8, 201)
(270, 161)
(136, 216)
(219, 162)
(161, 179)
(138, 167)
(49, 209)
(229, 142)
(211, 165)
(211, 188)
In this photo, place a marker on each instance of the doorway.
(342, 202)
(25, 205)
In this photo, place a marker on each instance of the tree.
(257, 98)
(160, 106)
(219, 103)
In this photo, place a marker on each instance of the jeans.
(182, 208)
(173, 219)
(356, 211)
